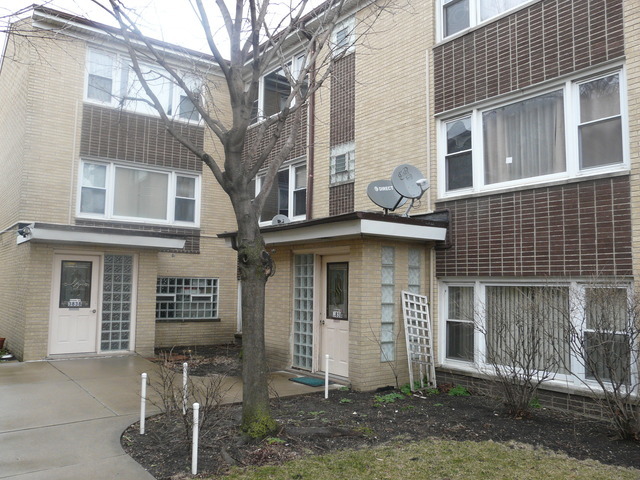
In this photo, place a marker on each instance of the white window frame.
(295, 63)
(291, 167)
(474, 17)
(576, 379)
(347, 44)
(571, 104)
(212, 298)
(349, 152)
(110, 188)
(123, 78)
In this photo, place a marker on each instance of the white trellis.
(417, 330)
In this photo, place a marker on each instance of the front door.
(334, 315)
(74, 304)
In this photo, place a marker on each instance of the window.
(388, 307)
(112, 81)
(458, 15)
(343, 37)
(275, 89)
(573, 130)
(571, 329)
(342, 167)
(112, 191)
(606, 337)
(288, 195)
(182, 299)
(415, 270)
(459, 323)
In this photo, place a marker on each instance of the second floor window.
(112, 81)
(458, 15)
(574, 130)
(288, 195)
(120, 192)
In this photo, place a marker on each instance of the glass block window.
(117, 286)
(181, 299)
(415, 270)
(303, 312)
(388, 307)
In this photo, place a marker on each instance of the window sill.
(534, 186)
(188, 320)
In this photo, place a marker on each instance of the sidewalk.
(62, 420)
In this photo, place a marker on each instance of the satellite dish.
(409, 181)
(280, 220)
(382, 193)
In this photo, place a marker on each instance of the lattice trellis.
(417, 329)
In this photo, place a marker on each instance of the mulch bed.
(311, 425)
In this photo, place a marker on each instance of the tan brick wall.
(366, 371)
(392, 104)
(632, 54)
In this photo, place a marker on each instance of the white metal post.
(194, 447)
(185, 367)
(326, 376)
(143, 400)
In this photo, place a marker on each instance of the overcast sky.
(170, 20)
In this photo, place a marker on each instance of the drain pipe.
(311, 132)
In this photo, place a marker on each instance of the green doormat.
(310, 381)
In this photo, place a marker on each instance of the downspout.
(311, 132)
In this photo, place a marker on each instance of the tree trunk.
(255, 266)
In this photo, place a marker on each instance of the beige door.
(334, 315)
(74, 304)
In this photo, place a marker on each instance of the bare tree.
(257, 43)
(604, 339)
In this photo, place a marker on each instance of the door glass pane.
(338, 290)
(75, 284)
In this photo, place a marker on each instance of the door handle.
(321, 322)
(93, 311)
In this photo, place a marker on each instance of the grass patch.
(437, 459)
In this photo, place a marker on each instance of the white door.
(74, 304)
(334, 315)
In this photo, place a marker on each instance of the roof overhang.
(73, 234)
(357, 224)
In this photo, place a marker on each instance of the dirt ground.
(311, 425)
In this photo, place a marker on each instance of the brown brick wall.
(299, 149)
(341, 199)
(120, 135)
(549, 39)
(343, 100)
(566, 230)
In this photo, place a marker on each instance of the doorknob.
(93, 311)
(321, 322)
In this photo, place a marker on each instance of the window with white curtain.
(487, 323)
(576, 129)
(127, 193)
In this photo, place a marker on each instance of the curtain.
(524, 139)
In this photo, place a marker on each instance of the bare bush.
(604, 342)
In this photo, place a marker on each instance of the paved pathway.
(62, 420)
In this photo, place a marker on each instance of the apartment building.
(109, 225)
(537, 165)
(520, 114)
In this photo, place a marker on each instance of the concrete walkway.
(62, 420)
